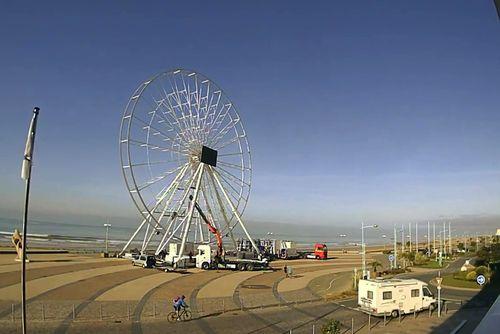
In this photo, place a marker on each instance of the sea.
(303, 235)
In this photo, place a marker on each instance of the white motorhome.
(394, 296)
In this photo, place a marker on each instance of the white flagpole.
(26, 175)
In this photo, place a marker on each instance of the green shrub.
(482, 270)
(331, 327)
(421, 259)
(471, 276)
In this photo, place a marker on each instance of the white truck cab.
(394, 296)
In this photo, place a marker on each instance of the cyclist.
(178, 303)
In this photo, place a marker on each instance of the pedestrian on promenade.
(285, 270)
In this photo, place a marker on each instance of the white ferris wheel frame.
(196, 115)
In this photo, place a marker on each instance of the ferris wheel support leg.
(144, 241)
(235, 212)
(172, 186)
(187, 223)
(133, 236)
(164, 243)
(224, 214)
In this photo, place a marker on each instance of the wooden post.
(352, 325)
(154, 309)
(385, 318)
(73, 311)
(223, 306)
(128, 311)
(369, 322)
(43, 312)
(414, 312)
(13, 313)
(100, 311)
(313, 329)
(399, 313)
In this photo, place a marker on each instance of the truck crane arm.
(211, 227)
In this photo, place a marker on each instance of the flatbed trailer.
(205, 260)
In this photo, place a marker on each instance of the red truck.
(320, 252)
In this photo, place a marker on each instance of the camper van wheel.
(395, 313)
(250, 267)
(241, 266)
(317, 257)
(144, 265)
(205, 266)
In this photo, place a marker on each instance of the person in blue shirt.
(178, 303)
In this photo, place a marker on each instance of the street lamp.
(107, 226)
(363, 246)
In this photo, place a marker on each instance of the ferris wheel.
(182, 143)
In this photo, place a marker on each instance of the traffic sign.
(391, 257)
(439, 280)
(480, 279)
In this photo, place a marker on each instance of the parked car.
(145, 261)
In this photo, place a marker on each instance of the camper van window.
(369, 294)
(427, 292)
(387, 295)
(415, 292)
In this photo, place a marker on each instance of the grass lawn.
(459, 283)
(432, 265)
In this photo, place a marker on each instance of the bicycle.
(184, 315)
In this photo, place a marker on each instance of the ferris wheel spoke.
(150, 163)
(227, 143)
(224, 110)
(234, 166)
(224, 131)
(146, 126)
(230, 175)
(157, 179)
(155, 147)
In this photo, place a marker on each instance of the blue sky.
(385, 111)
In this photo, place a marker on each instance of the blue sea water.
(302, 234)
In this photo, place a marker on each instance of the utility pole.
(444, 238)
(449, 238)
(428, 239)
(402, 238)
(395, 248)
(409, 231)
(434, 239)
(416, 237)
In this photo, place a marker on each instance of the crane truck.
(205, 259)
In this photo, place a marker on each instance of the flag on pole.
(30, 144)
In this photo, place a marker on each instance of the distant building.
(498, 232)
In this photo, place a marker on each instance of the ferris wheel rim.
(131, 181)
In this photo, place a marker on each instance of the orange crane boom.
(211, 227)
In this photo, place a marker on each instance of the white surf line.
(226, 285)
(137, 288)
(41, 285)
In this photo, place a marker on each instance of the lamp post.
(107, 226)
(363, 246)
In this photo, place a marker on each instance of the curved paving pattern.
(138, 288)
(225, 286)
(41, 285)
(301, 282)
(13, 277)
(58, 263)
